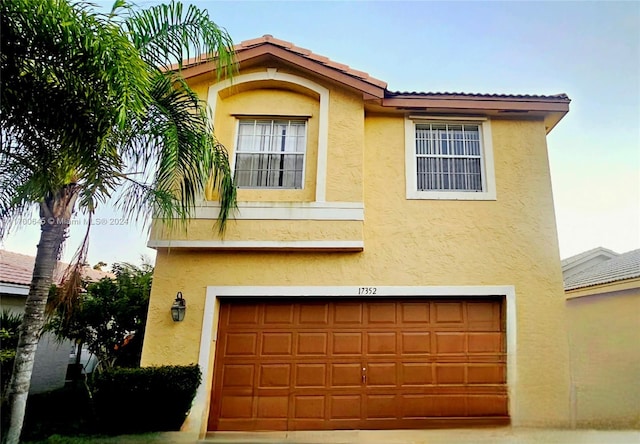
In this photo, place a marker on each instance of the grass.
(144, 438)
(66, 411)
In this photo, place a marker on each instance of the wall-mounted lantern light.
(178, 308)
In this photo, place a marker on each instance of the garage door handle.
(364, 375)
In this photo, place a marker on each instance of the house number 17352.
(367, 290)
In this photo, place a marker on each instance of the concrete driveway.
(502, 435)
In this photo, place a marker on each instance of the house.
(603, 316)
(393, 262)
(52, 355)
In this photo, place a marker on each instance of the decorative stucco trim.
(340, 245)
(323, 118)
(287, 211)
(488, 172)
(209, 336)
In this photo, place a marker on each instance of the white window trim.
(488, 172)
(197, 420)
(323, 117)
(273, 119)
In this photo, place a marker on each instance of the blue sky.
(589, 50)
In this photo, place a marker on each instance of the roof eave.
(373, 88)
(551, 109)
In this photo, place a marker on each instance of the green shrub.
(9, 326)
(134, 400)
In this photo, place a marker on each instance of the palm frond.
(168, 34)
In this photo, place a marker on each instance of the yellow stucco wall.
(274, 230)
(604, 336)
(509, 241)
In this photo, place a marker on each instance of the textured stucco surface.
(604, 335)
(272, 230)
(510, 241)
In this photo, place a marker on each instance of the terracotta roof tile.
(455, 95)
(16, 268)
(363, 76)
(301, 51)
(267, 38)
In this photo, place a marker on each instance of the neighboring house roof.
(259, 51)
(594, 253)
(622, 267)
(16, 268)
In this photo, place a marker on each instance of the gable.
(580, 262)
(271, 52)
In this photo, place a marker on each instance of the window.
(270, 153)
(449, 159)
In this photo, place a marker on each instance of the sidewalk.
(502, 435)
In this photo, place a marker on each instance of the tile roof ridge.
(307, 53)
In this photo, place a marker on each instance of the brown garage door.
(353, 364)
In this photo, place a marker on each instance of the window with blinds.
(448, 157)
(270, 153)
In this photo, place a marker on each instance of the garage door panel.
(314, 313)
(381, 374)
(239, 314)
(415, 342)
(449, 405)
(238, 375)
(346, 375)
(381, 407)
(241, 344)
(450, 343)
(345, 407)
(309, 407)
(348, 313)
(347, 343)
(381, 313)
(483, 316)
(311, 375)
(313, 343)
(448, 313)
(299, 365)
(450, 374)
(485, 343)
(382, 343)
(236, 407)
(274, 375)
(416, 406)
(486, 405)
(278, 314)
(486, 374)
(277, 344)
(416, 374)
(415, 313)
(273, 407)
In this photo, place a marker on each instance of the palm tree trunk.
(55, 215)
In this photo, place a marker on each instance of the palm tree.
(94, 110)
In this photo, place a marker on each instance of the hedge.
(135, 400)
